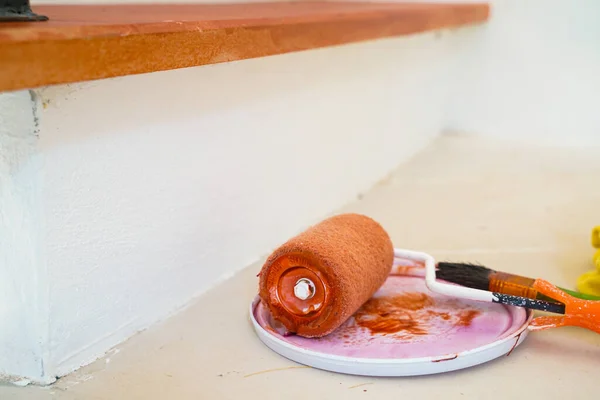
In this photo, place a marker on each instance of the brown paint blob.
(443, 315)
(466, 317)
(392, 314)
(407, 315)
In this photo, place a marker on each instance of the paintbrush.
(423, 264)
(484, 278)
(584, 313)
(574, 311)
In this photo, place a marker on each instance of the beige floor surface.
(520, 208)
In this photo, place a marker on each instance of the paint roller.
(318, 279)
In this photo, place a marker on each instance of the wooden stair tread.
(87, 42)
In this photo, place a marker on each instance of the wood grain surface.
(87, 42)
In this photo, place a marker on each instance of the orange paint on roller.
(315, 281)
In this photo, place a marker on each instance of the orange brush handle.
(578, 312)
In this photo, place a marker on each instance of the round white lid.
(403, 330)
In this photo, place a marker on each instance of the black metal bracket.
(18, 10)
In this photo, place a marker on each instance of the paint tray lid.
(403, 330)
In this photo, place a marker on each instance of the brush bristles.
(464, 274)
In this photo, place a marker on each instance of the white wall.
(23, 280)
(155, 187)
(532, 72)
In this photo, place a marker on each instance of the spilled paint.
(408, 314)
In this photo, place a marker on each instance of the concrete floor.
(520, 208)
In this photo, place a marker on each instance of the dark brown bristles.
(510, 289)
(470, 275)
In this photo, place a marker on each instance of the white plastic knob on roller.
(304, 289)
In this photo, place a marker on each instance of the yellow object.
(589, 283)
(596, 237)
